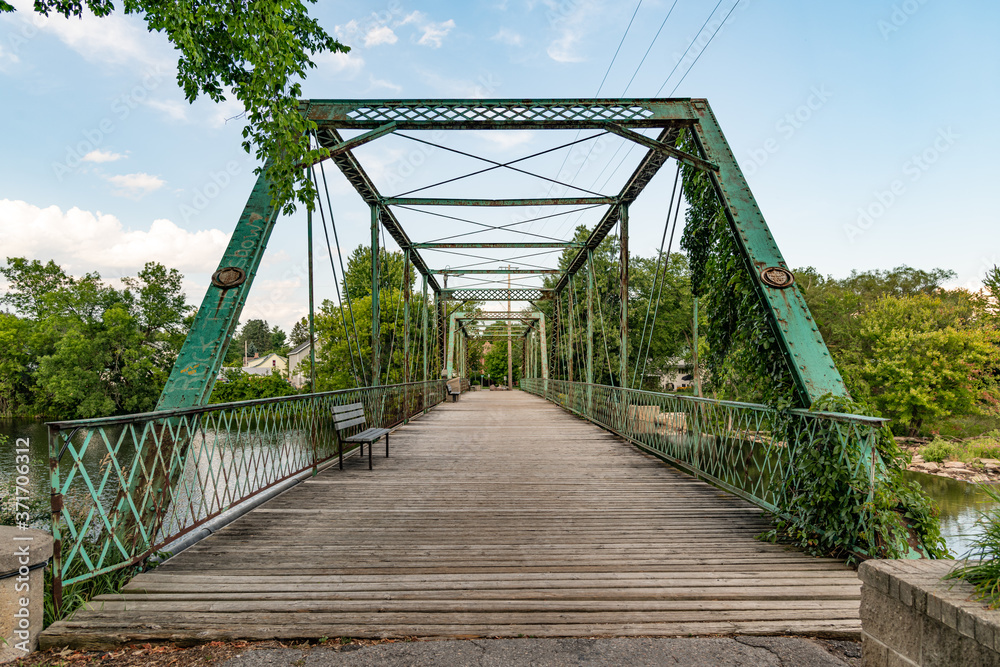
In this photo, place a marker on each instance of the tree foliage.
(344, 332)
(239, 386)
(82, 348)
(257, 52)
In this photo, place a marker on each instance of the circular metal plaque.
(776, 276)
(229, 277)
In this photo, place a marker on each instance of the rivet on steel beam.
(777, 277)
(229, 277)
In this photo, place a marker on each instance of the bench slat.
(337, 409)
(348, 415)
(371, 435)
(347, 423)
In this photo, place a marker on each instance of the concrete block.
(985, 633)
(892, 622)
(966, 624)
(22, 589)
(873, 652)
(906, 593)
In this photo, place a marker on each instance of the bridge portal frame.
(808, 359)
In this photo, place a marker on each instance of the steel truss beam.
(576, 113)
(463, 272)
(496, 294)
(504, 246)
(545, 201)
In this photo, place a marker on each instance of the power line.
(672, 91)
(606, 73)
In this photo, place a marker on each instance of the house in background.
(266, 364)
(296, 356)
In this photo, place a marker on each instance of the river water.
(959, 502)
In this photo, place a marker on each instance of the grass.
(984, 575)
(984, 446)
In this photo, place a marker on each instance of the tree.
(357, 282)
(300, 332)
(240, 386)
(278, 344)
(83, 348)
(917, 358)
(260, 51)
(255, 337)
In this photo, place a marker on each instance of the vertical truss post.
(557, 338)
(406, 315)
(590, 331)
(423, 325)
(623, 280)
(425, 308)
(569, 338)
(312, 309)
(312, 342)
(543, 349)
(449, 363)
(376, 319)
(406, 334)
(524, 358)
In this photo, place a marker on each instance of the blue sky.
(866, 129)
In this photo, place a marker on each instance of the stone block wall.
(910, 617)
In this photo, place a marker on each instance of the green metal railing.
(108, 512)
(746, 448)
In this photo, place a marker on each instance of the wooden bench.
(454, 388)
(346, 416)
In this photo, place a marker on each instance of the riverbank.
(955, 460)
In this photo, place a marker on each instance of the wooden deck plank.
(499, 515)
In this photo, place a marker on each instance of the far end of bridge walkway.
(498, 515)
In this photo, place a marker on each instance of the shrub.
(938, 451)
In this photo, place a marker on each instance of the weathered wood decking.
(499, 515)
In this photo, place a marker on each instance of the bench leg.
(371, 446)
(386, 445)
(340, 451)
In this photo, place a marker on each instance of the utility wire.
(329, 250)
(656, 274)
(343, 271)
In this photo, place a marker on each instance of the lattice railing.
(124, 487)
(746, 448)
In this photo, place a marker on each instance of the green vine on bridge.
(828, 505)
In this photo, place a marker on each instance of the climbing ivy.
(827, 505)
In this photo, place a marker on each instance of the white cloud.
(374, 84)
(135, 186)
(505, 36)
(380, 35)
(174, 109)
(114, 39)
(84, 241)
(434, 33)
(7, 59)
(100, 156)
(505, 140)
(571, 26)
(346, 65)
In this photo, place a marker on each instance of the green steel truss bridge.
(173, 474)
